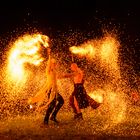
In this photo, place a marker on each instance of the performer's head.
(74, 66)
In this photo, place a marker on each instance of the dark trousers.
(72, 104)
(80, 95)
(54, 107)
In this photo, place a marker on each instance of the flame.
(97, 96)
(106, 48)
(85, 49)
(25, 50)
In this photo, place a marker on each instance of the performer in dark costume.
(78, 99)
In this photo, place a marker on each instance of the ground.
(96, 125)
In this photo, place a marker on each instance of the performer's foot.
(54, 120)
(43, 125)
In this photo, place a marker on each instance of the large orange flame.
(25, 50)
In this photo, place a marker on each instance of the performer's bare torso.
(78, 76)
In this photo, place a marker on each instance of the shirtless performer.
(78, 99)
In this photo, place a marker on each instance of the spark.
(31, 106)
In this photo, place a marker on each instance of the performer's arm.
(52, 96)
(66, 75)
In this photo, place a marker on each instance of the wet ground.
(95, 126)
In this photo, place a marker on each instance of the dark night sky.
(57, 13)
(86, 16)
(72, 12)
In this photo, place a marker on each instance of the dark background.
(58, 18)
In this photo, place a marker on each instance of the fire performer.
(78, 99)
(54, 100)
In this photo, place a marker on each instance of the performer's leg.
(57, 107)
(49, 111)
(78, 115)
(76, 105)
(72, 104)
